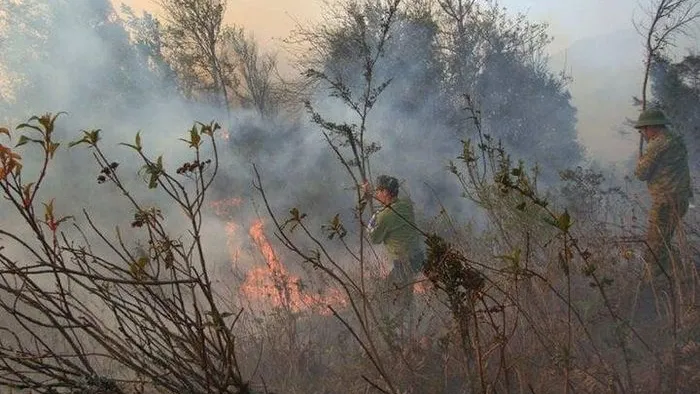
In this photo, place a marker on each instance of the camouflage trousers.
(664, 218)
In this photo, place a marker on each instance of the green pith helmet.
(388, 183)
(651, 117)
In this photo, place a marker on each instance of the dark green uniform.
(664, 166)
(394, 226)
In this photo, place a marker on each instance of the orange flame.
(272, 284)
(275, 285)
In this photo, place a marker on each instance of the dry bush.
(91, 310)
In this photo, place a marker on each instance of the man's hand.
(372, 223)
(366, 189)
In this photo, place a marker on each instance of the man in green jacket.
(394, 226)
(664, 166)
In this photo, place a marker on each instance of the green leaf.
(295, 218)
(22, 140)
(48, 210)
(134, 147)
(296, 214)
(514, 257)
(46, 121)
(94, 136)
(137, 268)
(89, 137)
(29, 126)
(155, 171)
(564, 221)
(26, 139)
(27, 190)
(137, 143)
(195, 138)
(142, 261)
(78, 142)
(153, 181)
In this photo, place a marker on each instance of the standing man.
(394, 226)
(664, 166)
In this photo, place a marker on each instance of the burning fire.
(272, 284)
(275, 285)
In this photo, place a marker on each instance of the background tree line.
(437, 52)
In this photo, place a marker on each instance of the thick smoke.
(80, 60)
(75, 56)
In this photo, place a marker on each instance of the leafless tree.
(256, 70)
(195, 31)
(666, 19)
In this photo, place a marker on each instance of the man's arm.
(377, 228)
(648, 162)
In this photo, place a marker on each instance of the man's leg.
(401, 296)
(658, 230)
(664, 218)
(678, 210)
(660, 257)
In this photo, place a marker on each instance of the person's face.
(651, 132)
(383, 196)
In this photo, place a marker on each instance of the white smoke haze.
(163, 117)
(91, 71)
